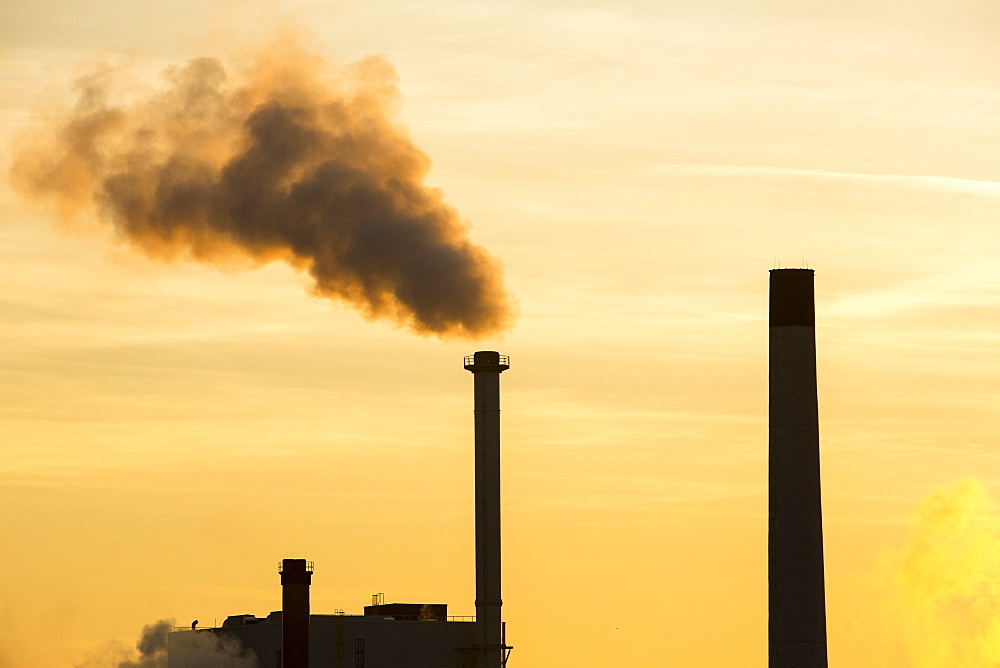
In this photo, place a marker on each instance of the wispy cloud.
(945, 184)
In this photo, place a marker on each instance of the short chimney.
(296, 576)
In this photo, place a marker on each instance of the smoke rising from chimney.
(285, 157)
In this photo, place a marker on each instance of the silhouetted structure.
(796, 596)
(409, 612)
(486, 367)
(388, 635)
(296, 576)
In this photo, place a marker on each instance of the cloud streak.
(943, 184)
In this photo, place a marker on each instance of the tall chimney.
(296, 576)
(796, 595)
(486, 367)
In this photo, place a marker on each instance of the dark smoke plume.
(285, 158)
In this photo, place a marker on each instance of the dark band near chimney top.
(792, 298)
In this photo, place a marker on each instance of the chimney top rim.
(295, 565)
(486, 360)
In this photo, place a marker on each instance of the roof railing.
(338, 612)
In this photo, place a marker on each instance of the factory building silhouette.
(390, 635)
(404, 635)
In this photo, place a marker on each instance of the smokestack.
(486, 367)
(796, 596)
(296, 576)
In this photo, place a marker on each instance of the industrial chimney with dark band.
(486, 367)
(296, 576)
(796, 594)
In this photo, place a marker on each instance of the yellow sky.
(170, 431)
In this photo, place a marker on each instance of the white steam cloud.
(202, 649)
(946, 590)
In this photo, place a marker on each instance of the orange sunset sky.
(171, 429)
